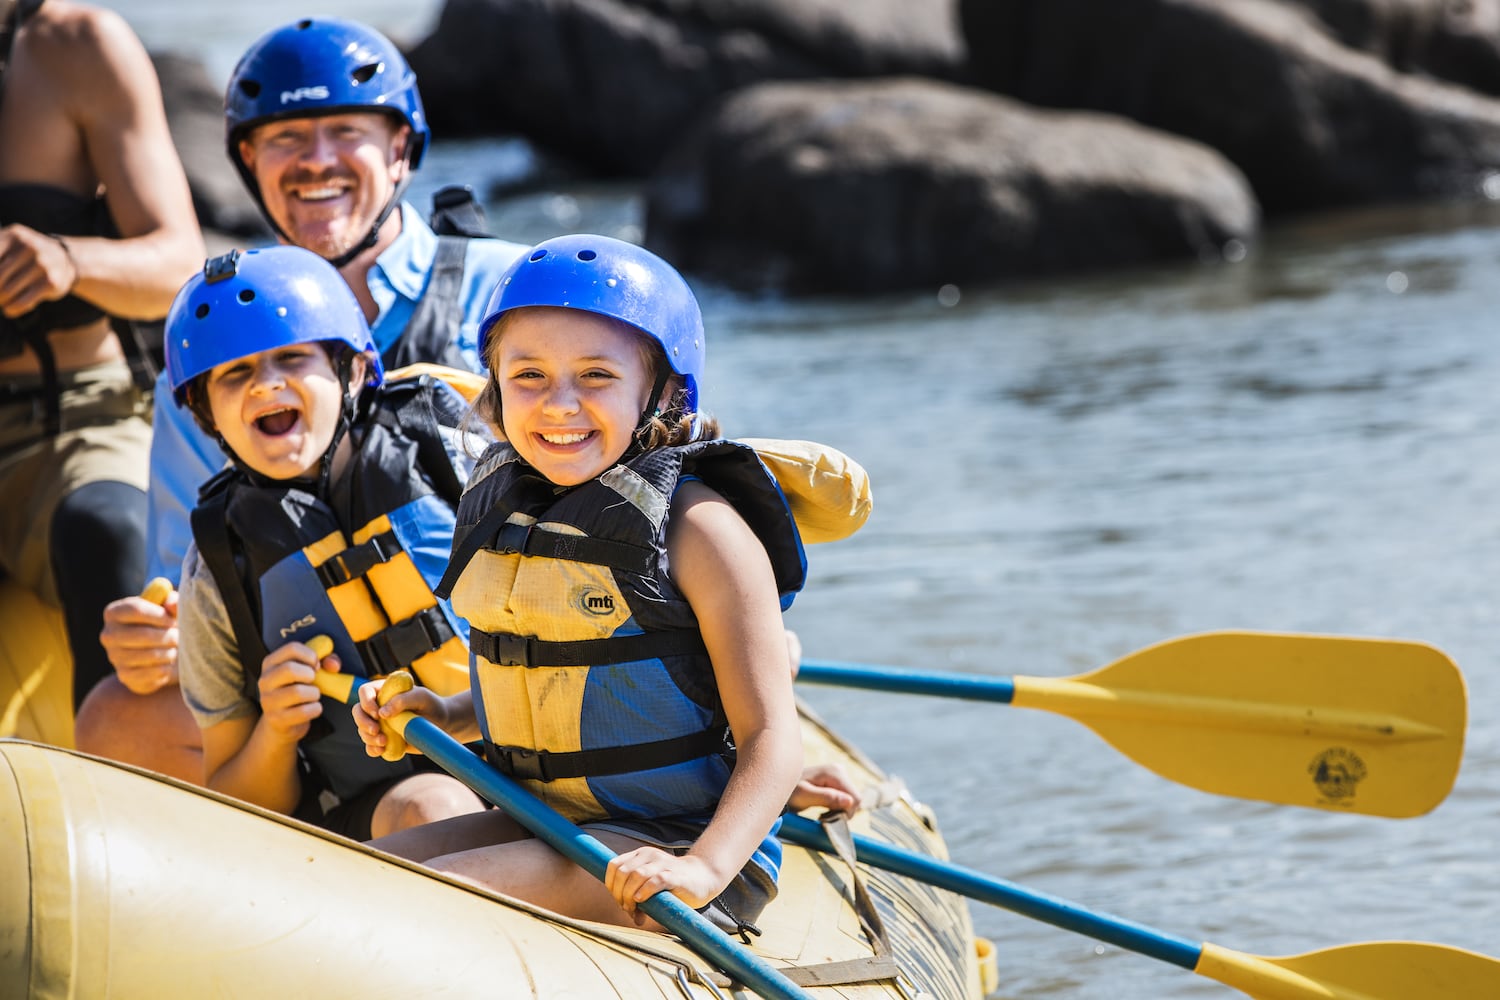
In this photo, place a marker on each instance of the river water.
(1065, 472)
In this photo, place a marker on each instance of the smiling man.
(325, 125)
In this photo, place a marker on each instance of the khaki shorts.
(106, 436)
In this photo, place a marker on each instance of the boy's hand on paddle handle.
(397, 683)
(140, 638)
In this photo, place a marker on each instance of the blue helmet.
(245, 303)
(612, 278)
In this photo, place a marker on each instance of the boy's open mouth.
(277, 422)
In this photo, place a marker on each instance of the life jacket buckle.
(512, 650)
(522, 762)
(513, 538)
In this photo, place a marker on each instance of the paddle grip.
(157, 591)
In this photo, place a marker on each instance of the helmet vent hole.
(202, 310)
(586, 255)
(246, 295)
(537, 256)
(304, 24)
(366, 72)
(250, 89)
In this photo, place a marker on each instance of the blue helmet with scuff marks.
(613, 278)
(245, 303)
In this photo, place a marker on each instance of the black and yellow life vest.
(358, 566)
(591, 681)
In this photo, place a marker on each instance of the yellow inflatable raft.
(121, 883)
(36, 669)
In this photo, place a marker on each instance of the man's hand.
(140, 639)
(34, 268)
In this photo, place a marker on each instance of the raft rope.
(685, 984)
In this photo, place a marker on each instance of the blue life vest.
(590, 677)
(358, 566)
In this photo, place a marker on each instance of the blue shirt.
(183, 458)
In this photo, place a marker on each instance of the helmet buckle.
(219, 268)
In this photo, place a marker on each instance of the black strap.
(143, 346)
(529, 540)
(456, 212)
(432, 332)
(527, 651)
(211, 532)
(548, 765)
(418, 419)
(398, 646)
(8, 31)
(357, 560)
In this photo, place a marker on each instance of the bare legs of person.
(421, 799)
(490, 850)
(155, 731)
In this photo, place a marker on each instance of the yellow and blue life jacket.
(591, 681)
(358, 566)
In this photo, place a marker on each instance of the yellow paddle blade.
(1370, 726)
(1373, 970)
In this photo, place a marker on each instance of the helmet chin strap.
(320, 483)
(651, 409)
(373, 236)
(346, 422)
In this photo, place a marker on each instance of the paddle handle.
(592, 856)
(998, 892)
(157, 590)
(904, 681)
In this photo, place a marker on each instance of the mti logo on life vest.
(1336, 771)
(300, 623)
(594, 601)
(304, 94)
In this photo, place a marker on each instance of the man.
(325, 126)
(96, 226)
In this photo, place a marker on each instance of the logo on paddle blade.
(1336, 771)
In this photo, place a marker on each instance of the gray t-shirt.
(208, 661)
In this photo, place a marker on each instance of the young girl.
(623, 573)
(334, 518)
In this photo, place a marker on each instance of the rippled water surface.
(1063, 473)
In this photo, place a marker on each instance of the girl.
(623, 572)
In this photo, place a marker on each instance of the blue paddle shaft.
(988, 889)
(859, 675)
(592, 856)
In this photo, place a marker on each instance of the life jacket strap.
(400, 645)
(528, 651)
(547, 765)
(528, 540)
(357, 560)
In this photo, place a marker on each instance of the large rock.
(195, 114)
(905, 183)
(1453, 40)
(613, 83)
(1311, 121)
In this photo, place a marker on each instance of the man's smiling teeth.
(564, 438)
(320, 194)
